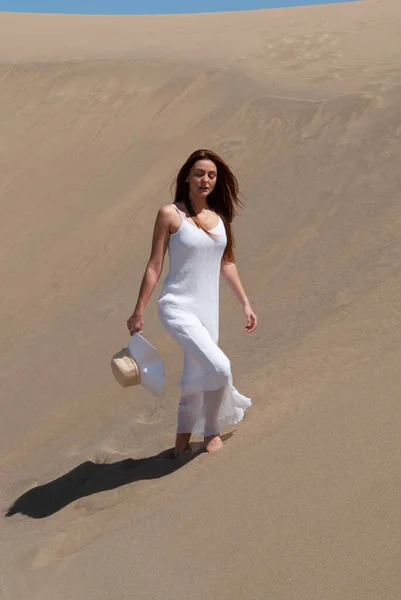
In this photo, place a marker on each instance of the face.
(202, 178)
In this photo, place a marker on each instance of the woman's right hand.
(135, 322)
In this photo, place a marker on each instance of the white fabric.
(149, 363)
(189, 310)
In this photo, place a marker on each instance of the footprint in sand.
(63, 544)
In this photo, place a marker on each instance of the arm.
(229, 272)
(161, 234)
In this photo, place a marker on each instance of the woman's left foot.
(213, 442)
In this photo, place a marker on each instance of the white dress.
(188, 308)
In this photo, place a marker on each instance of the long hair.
(223, 199)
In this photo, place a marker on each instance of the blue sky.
(147, 6)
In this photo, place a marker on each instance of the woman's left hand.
(251, 319)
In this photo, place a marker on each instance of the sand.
(96, 116)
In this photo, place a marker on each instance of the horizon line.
(159, 10)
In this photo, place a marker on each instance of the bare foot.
(182, 444)
(213, 442)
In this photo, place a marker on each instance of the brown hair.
(223, 199)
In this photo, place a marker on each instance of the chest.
(191, 239)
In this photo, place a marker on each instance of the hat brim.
(149, 362)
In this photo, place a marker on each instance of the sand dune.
(96, 115)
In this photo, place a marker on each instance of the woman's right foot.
(186, 450)
(182, 444)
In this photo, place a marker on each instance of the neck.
(198, 203)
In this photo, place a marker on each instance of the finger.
(252, 326)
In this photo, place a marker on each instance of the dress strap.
(182, 218)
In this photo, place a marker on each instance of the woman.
(196, 229)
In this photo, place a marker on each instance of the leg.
(206, 367)
(182, 444)
(188, 414)
(212, 400)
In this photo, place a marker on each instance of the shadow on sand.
(90, 478)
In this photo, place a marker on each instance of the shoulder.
(167, 219)
(166, 212)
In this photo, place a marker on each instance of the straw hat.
(139, 364)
